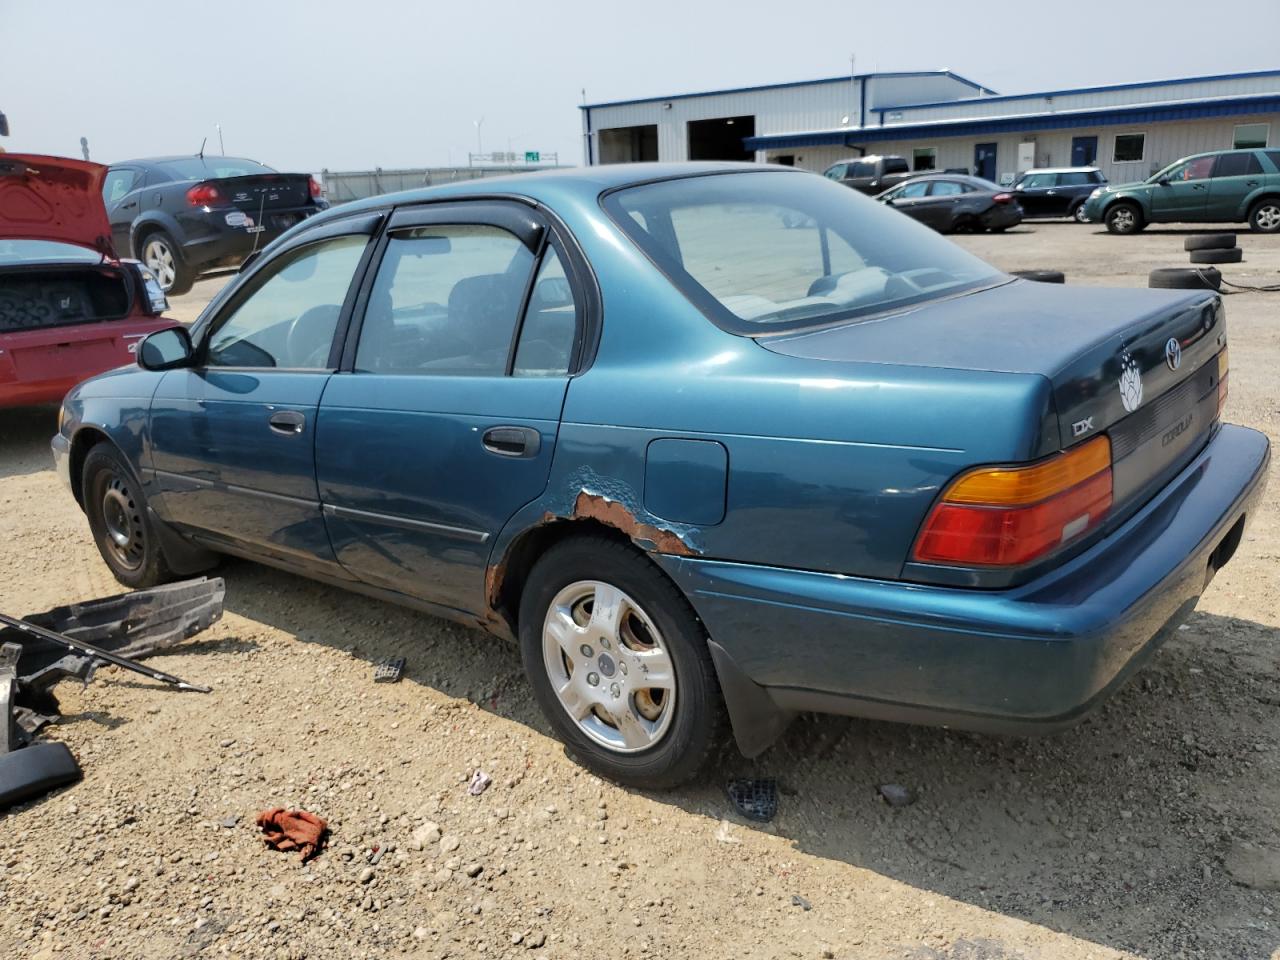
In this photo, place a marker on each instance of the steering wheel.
(301, 337)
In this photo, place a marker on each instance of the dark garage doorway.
(629, 144)
(721, 138)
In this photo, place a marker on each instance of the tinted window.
(117, 184)
(1237, 165)
(289, 320)
(211, 168)
(1129, 147)
(445, 301)
(895, 165)
(550, 322)
(861, 170)
(1080, 179)
(722, 240)
(946, 188)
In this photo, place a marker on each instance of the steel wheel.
(1267, 217)
(608, 666)
(158, 257)
(125, 537)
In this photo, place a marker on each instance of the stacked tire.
(1204, 250)
(1213, 248)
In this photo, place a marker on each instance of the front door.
(1084, 151)
(984, 161)
(443, 422)
(1183, 192)
(1037, 194)
(1236, 176)
(232, 438)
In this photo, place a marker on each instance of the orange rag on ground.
(293, 830)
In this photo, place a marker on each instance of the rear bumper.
(1025, 660)
(1003, 215)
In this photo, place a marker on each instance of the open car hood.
(53, 198)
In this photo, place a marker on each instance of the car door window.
(118, 183)
(1078, 179)
(445, 301)
(913, 190)
(550, 323)
(1198, 168)
(289, 320)
(946, 188)
(835, 172)
(1037, 181)
(1237, 165)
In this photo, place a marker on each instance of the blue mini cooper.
(713, 443)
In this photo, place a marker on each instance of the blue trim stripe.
(794, 83)
(1146, 113)
(1064, 93)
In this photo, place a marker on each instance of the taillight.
(1223, 368)
(316, 190)
(1008, 516)
(1002, 198)
(203, 195)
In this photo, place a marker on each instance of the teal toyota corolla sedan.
(713, 443)
(1229, 186)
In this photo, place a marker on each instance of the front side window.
(1129, 148)
(723, 241)
(1237, 165)
(1197, 168)
(117, 184)
(445, 301)
(917, 189)
(1250, 136)
(835, 171)
(289, 321)
(1036, 181)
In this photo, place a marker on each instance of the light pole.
(479, 145)
(220, 144)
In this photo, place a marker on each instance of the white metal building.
(939, 120)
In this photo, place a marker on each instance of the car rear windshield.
(211, 168)
(769, 252)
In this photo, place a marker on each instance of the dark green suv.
(1226, 186)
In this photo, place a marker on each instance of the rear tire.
(1078, 213)
(1264, 216)
(589, 669)
(164, 259)
(1123, 219)
(117, 513)
(1185, 278)
(1234, 255)
(1210, 241)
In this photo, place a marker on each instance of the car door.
(443, 421)
(120, 196)
(942, 209)
(912, 199)
(1236, 175)
(1035, 194)
(1183, 192)
(232, 436)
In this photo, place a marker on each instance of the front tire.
(1123, 219)
(1264, 217)
(117, 512)
(619, 664)
(163, 257)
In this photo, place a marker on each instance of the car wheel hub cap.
(622, 699)
(1269, 217)
(123, 522)
(1124, 219)
(159, 260)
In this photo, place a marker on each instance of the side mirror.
(166, 349)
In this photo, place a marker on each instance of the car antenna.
(202, 143)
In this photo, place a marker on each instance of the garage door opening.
(629, 144)
(721, 138)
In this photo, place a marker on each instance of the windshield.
(769, 252)
(212, 168)
(45, 251)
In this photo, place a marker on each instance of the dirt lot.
(1150, 831)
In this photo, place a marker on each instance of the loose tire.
(1042, 276)
(1185, 278)
(1234, 255)
(1210, 241)
(164, 259)
(117, 513)
(1079, 215)
(1264, 216)
(619, 664)
(1123, 218)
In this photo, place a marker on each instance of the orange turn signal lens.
(1009, 516)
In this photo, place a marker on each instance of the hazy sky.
(354, 85)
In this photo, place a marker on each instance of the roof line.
(792, 83)
(1062, 93)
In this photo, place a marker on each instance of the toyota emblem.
(1173, 353)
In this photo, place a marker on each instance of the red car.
(69, 308)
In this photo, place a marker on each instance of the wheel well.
(506, 579)
(1275, 197)
(84, 441)
(1126, 201)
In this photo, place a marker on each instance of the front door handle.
(512, 441)
(287, 422)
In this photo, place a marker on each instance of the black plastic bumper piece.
(35, 770)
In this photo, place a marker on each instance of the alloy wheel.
(1123, 219)
(124, 534)
(1268, 217)
(1079, 214)
(609, 666)
(159, 260)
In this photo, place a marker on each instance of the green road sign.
(532, 156)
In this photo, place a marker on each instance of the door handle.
(512, 441)
(1053, 193)
(1251, 183)
(287, 422)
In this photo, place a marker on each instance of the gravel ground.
(1149, 831)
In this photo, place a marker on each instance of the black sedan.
(184, 215)
(954, 203)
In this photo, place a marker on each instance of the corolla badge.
(1173, 353)
(1130, 383)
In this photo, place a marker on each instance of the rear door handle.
(512, 441)
(287, 422)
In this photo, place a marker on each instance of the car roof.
(1059, 170)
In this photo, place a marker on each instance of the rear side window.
(862, 170)
(445, 302)
(1237, 165)
(1079, 179)
(550, 323)
(946, 188)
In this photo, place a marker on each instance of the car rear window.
(212, 168)
(768, 252)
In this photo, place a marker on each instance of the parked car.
(870, 175)
(1056, 192)
(69, 308)
(955, 203)
(185, 215)
(1227, 186)
(698, 465)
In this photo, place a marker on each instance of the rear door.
(943, 207)
(233, 438)
(1235, 176)
(1183, 193)
(120, 192)
(443, 421)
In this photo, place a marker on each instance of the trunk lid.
(54, 198)
(1136, 364)
(267, 191)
